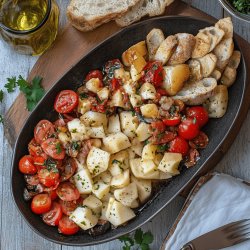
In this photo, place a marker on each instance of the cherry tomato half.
(157, 127)
(52, 194)
(188, 129)
(115, 84)
(43, 130)
(172, 121)
(67, 169)
(41, 204)
(199, 113)
(26, 165)
(53, 216)
(66, 101)
(67, 226)
(153, 73)
(48, 178)
(53, 148)
(94, 74)
(68, 206)
(35, 149)
(67, 192)
(179, 145)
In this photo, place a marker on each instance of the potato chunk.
(77, 130)
(83, 181)
(121, 180)
(100, 189)
(150, 110)
(97, 161)
(144, 188)
(114, 124)
(117, 214)
(170, 163)
(147, 91)
(94, 119)
(84, 218)
(142, 131)
(149, 151)
(127, 195)
(118, 163)
(94, 204)
(96, 132)
(116, 142)
(94, 85)
(129, 123)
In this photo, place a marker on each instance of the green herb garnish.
(58, 148)
(11, 84)
(242, 6)
(1, 96)
(83, 95)
(75, 145)
(140, 239)
(50, 164)
(162, 148)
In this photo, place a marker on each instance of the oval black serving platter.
(218, 130)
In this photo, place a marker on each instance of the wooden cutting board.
(70, 47)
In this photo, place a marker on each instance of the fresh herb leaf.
(75, 145)
(1, 95)
(1, 119)
(33, 92)
(83, 96)
(148, 238)
(50, 164)
(58, 148)
(138, 236)
(162, 148)
(242, 6)
(11, 84)
(144, 247)
(126, 239)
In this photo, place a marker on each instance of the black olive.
(101, 228)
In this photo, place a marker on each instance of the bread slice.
(141, 9)
(89, 14)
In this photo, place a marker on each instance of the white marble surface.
(16, 235)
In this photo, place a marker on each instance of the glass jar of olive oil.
(29, 26)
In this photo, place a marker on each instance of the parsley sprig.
(140, 239)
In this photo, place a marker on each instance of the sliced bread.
(141, 9)
(89, 14)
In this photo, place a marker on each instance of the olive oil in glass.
(29, 26)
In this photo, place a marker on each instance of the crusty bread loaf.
(141, 9)
(89, 14)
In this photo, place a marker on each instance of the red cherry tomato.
(43, 130)
(26, 165)
(35, 149)
(115, 84)
(67, 192)
(52, 194)
(53, 148)
(188, 129)
(179, 145)
(66, 101)
(53, 216)
(153, 73)
(41, 204)
(68, 206)
(48, 178)
(199, 113)
(94, 74)
(67, 226)
(39, 162)
(157, 127)
(172, 121)
(161, 91)
(67, 169)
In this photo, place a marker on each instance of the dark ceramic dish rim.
(193, 176)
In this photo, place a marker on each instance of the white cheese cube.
(116, 142)
(97, 161)
(94, 85)
(142, 131)
(83, 181)
(84, 218)
(129, 123)
(147, 91)
(150, 110)
(170, 163)
(114, 124)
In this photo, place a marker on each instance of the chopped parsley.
(75, 145)
(83, 95)
(1, 95)
(58, 148)
(51, 165)
(162, 148)
(74, 130)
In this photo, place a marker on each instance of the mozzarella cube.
(170, 163)
(117, 214)
(127, 195)
(114, 124)
(94, 85)
(147, 91)
(103, 94)
(142, 131)
(83, 181)
(129, 123)
(150, 110)
(97, 161)
(84, 218)
(116, 142)
(94, 204)
(77, 130)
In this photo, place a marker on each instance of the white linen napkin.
(221, 200)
